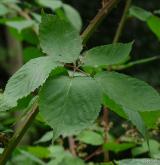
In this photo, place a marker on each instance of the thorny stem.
(122, 21)
(96, 21)
(26, 123)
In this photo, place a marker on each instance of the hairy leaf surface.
(127, 92)
(73, 16)
(70, 104)
(59, 39)
(106, 55)
(29, 77)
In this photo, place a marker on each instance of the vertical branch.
(96, 21)
(122, 21)
(72, 145)
(15, 140)
(105, 123)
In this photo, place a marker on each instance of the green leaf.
(3, 10)
(46, 137)
(1, 150)
(29, 77)
(153, 149)
(71, 161)
(108, 163)
(30, 36)
(36, 16)
(58, 154)
(20, 24)
(73, 16)
(52, 4)
(90, 137)
(139, 162)
(154, 24)
(137, 120)
(39, 151)
(58, 38)
(115, 147)
(29, 157)
(69, 104)
(140, 13)
(30, 53)
(9, 1)
(151, 118)
(123, 91)
(107, 55)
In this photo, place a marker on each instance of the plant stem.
(95, 153)
(105, 122)
(26, 123)
(96, 21)
(104, 2)
(72, 145)
(122, 21)
(133, 63)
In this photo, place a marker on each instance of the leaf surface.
(140, 13)
(91, 137)
(154, 24)
(3, 10)
(127, 92)
(73, 16)
(70, 104)
(58, 38)
(29, 77)
(21, 24)
(107, 55)
(53, 4)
